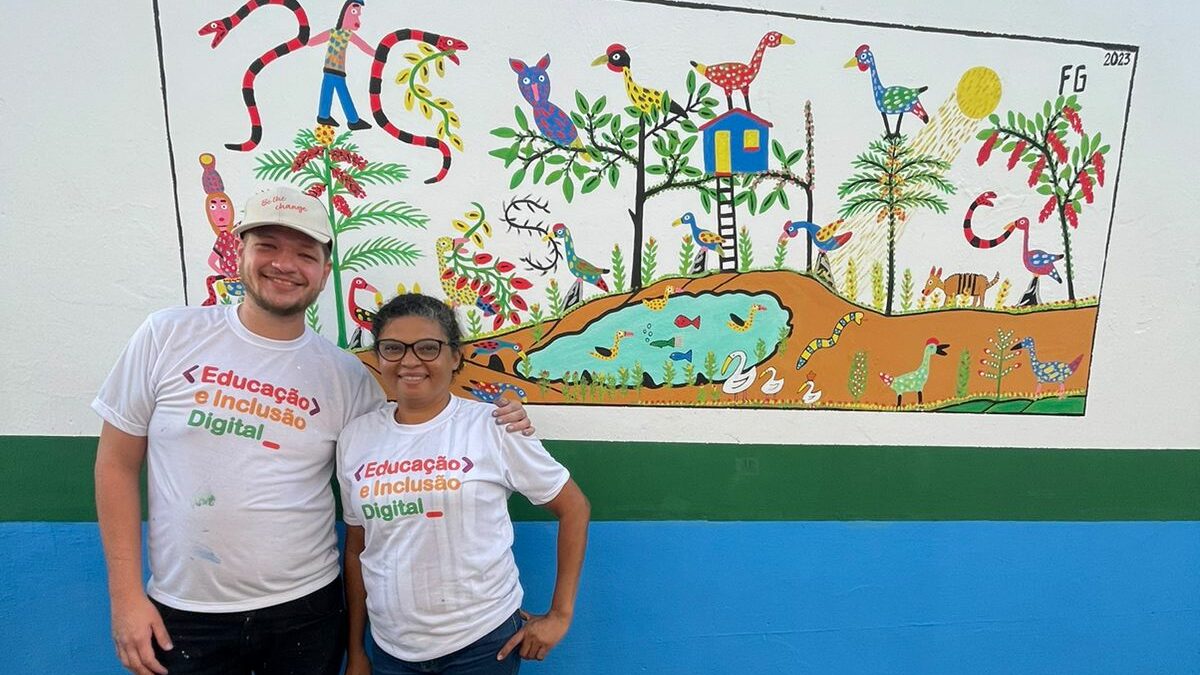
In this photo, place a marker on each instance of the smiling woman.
(438, 523)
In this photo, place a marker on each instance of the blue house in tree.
(736, 142)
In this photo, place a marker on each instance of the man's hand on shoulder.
(512, 413)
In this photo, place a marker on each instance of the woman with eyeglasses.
(425, 484)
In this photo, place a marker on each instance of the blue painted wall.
(774, 597)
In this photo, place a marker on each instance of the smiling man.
(235, 411)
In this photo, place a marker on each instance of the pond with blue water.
(682, 332)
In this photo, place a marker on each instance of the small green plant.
(474, 323)
(878, 293)
(687, 253)
(745, 250)
(906, 289)
(760, 350)
(783, 336)
(568, 393)
(857, 384)
(781, 253)
(623, 377)
(535, 314)
(525, 367)
(964, 374)
(710, 366)
(649, 261)
(922, 302)
(543, 383)
(638, 378)
(689, 374)
(668, 373)
(313, 318)
(850, 284)
(554, 297)
(997, 357)
(618, 269)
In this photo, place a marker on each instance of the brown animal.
(964, 283)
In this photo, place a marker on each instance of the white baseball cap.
(288, 207)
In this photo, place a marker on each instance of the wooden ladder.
(727, 223)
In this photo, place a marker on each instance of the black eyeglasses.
(394, 350)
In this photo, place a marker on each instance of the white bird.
(812, 395)
(742, 378)
(773, 385)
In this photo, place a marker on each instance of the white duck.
(742, 378)
(811, 396)
(774, 384)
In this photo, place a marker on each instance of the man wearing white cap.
(235, 411)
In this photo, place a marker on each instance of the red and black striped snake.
(975, 240)
(221, 27)
(439, 42)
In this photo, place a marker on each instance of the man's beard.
(275, 309)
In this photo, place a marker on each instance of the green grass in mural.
(1070, 405)
(679, 481)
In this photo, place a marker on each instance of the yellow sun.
(978, 92)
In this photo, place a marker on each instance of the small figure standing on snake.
(339, 38)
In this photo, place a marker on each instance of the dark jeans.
(306, 636)
(477, 658)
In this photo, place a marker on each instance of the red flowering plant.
(1068, 175)
(488, 282)
(330, 167)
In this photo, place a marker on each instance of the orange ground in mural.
(892, 344)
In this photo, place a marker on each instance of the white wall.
(88, 209)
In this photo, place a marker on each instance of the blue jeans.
(477, 658)
(306, 636)
(329, 84)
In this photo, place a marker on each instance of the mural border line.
(689, 4)
(1112, 217)
(162, 78)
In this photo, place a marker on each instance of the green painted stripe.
(50, 479)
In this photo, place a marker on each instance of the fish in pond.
(671, 342)
(682, 356)
(683, 322)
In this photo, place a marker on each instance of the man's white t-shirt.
(433, 498)
(240, 449)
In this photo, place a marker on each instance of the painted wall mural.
(639, 234)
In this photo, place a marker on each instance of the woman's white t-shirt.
(433, 498)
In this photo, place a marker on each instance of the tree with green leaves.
(782, 178)
(1069, 176)
(332, 168)
(893, 180)
(614, 144)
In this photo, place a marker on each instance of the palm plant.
(331, 167)
(893, 180)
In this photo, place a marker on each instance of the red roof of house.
(735, 111)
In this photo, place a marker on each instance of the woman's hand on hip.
(538, 636)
